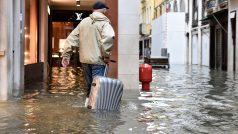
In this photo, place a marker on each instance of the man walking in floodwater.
(94, 36)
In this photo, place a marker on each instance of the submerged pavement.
(183, 100)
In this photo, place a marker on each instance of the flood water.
(188, 99)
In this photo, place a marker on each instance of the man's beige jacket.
(94, 36)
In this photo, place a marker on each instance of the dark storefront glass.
(60, 31)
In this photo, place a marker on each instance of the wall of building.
(233, 6)
(147, 11)
(147, 14)
(5, 26)
(176, 38)
(128, 43)
(198, 48)
(159, 33)
(112, 14)
(157, 8)
(195, 48)
(167, 35)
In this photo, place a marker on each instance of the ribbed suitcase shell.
(105, 93)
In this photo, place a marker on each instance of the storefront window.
(31, 31)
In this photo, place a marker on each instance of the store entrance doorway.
(61, 24)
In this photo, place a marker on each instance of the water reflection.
(64, 79)
(208, 103)
(189, 99)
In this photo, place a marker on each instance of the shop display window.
(31, 32)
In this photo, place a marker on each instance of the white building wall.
(128, 43)
(199, 39)
(233, 5)
(176, 38)
(167, 34)
(158, 36)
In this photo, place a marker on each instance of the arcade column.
(11, 50)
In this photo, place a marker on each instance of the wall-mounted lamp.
(77, 3)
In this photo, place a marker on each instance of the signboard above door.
(68, 15)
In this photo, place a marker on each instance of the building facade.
(128, 38)
(26, 48)
(147, 14)
(198, 34)
(23, 47)
(232, 35)
(208, 33)
(168, 31)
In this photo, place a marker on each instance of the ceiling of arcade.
(71, 4)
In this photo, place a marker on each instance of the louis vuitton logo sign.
(79, 16)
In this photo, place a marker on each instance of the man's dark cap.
(100, 5)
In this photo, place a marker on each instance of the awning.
(210, 16)
(213, 16)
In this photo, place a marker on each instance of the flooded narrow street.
(186, 100)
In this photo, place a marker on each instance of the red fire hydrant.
(145, 76)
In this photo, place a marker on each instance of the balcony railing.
(211, 6)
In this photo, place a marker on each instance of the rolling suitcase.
(105, 93)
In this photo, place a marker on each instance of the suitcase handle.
(107, 67)
(106, 70)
